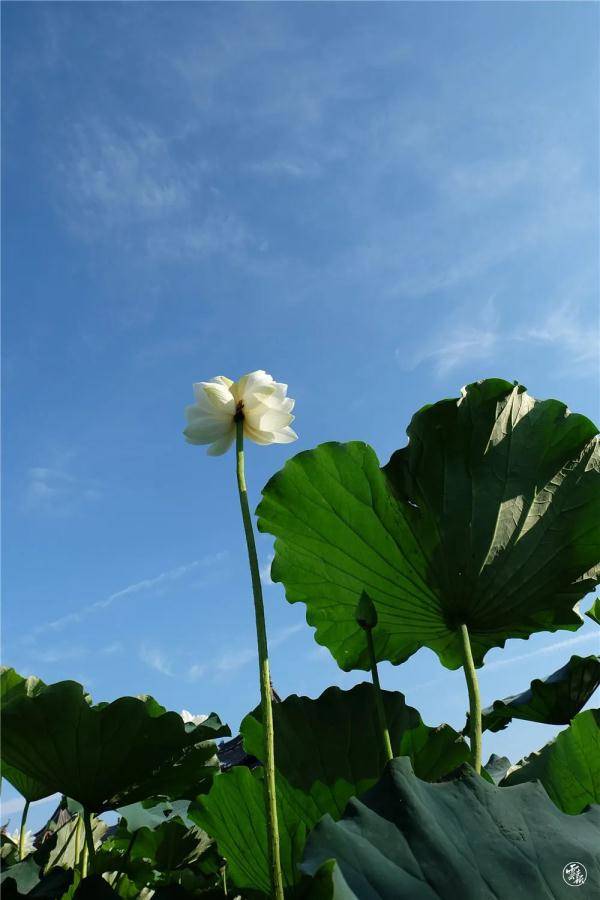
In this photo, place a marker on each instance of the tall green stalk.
(22, 831)
(265, 680)
(474, 698)
(124, 861)
(89, 836)
(77, 851)
(366, 616)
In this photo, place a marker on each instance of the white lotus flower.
(261, 402)
(187, 716)
(28, 845)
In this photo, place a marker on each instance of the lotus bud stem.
(474, 699)
(366, 617)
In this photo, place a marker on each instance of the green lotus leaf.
(340, 753)
(233, 813)
(188, 775)
(489, 517)
(594, 611)
(9, 851)
(552, 701)
(568, 767)
(462, 838)
(327, 750)
(14, 686)
(29, 878)
(167, 852)
(69, 843)
(102, 756)
(151, 814)
(28, 787)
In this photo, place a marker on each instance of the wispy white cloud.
(16, 804)
(265, 571)
(57, 491)
(218, 232)
(134, 181)
(59, 654)
(549, 650)
(564, 329)
(156, 659)
(232, 660)
(112, 178)
(147, 585)
(545, 651)
(196, 671)
(470, 335)
(297, 169)
(464, 340)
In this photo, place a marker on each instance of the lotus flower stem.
(22, 831)
(89, 836)
(474, 698)
(265, 680)
(387, 744)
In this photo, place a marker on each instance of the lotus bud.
(366, 614)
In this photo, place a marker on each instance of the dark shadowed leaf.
(94, 887)
(568, 767)
(490, 516)
(462, 838)
(552, 701)
(14, 687)
(102, 756)
(28, 878)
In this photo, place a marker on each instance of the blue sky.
(377, 203)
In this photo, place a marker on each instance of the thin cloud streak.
(138, 587)
(544, 651)
(234, 660)
(476, 336)
(16, 804)
(502, 663)
(156, 659)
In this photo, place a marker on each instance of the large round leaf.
(464, 838)
(568, 767)
(490, 517)
(102, 756)
(552, 701)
